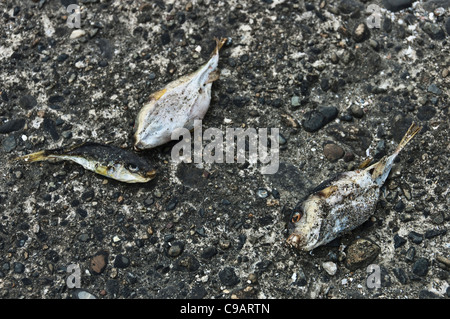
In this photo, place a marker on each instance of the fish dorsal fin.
(327, 192)
(219, 45)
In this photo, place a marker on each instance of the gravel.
(202, 230)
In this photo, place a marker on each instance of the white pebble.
(330, 267)
(77, 33)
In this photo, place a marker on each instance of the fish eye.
(133, 168)
(296, 216)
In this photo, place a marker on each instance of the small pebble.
(416, 238)
(99, 262)
(228, 277)
(360, 253)
(333, 152)
(420, 267)
(18, 267)
(174, 250)
(410, 254)
(330, 267)
(262, 193)
(77, 34)
(295, 101)
(361, 33)
(12, 126)
(121, 261)
(9, 144)
(357, 111)
(398, 241)
(82, 294)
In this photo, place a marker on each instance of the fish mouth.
(150, 174)
(295, 240)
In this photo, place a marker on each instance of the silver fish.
(177, 105)
(106, 160)
(342, 203)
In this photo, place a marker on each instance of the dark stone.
(54, 99)
(165, 38)
(88, 195)
(416, 238)
(400, 275)
(149, 201)
(420, 267)
(12, 126)
(209, 252)
(434, 233)
(121, 261)
(172, 204)
(329, 112)
(187, 263)
(18, 267)
(397, 5)
(398, 241)
(49, 126)
(81, 212)
(301, 279)
(9, 144)
(313, 121)
(387, 25)
(27, 102)
(62, 57)
(325, 84)
(175, 249)
(228, 277)
(400, 206)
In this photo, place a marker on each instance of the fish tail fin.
(412, 131)
(34, 157)
(219, 45)
(382, 168)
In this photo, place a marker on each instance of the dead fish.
(342, 203)
(106, 160)
(177, 105)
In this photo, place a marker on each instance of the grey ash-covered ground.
(338, 93)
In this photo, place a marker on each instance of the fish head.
(133, 170)
(304, 225)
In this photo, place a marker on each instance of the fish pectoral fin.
(365, 163)
(213, 76)
(102, 170)
(158, 94)
(327, 192)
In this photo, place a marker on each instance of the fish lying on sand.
(106, 160)
(342, 203)
(177, 105)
